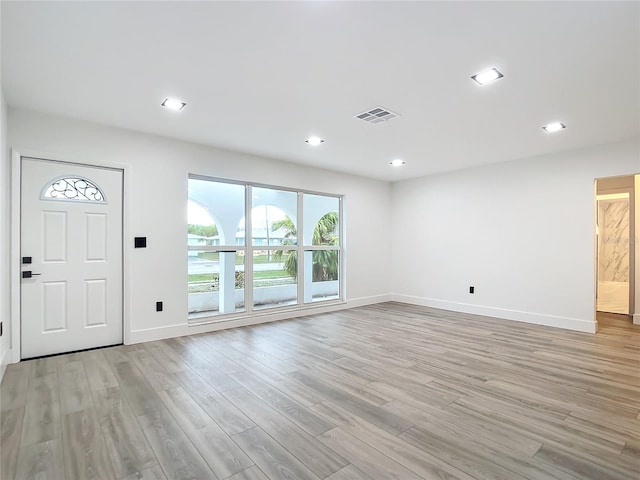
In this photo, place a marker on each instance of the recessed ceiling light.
(487, 76)
(314, 141)
(554, 127)
(173, 104)
(397, 162)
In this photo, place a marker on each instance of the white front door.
(71, 257)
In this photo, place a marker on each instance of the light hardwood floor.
(378, 392)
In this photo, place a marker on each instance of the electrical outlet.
(158, 306)
(472, 289)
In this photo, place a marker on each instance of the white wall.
(5, 184)
(156, 199)
(521, 232)
(5, 191)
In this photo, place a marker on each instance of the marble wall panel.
(613, 255)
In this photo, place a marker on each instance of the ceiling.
(261, 77)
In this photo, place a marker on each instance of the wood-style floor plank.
(223, 456)
(364, 457)
(271, 457)
(98, 372)
(177, 456)
(291, 409)
(349, 473)
(141, 396)
(314, 455)
(466, 425)
(44, 366)
(128, 447)
(75, 394)
(11, 428)
(194, 355)
(252, 473)
(418, 461)
(228, 416)
(13, 393)
(372, 413)
(42, 413)
(85, 455)
(41, 461)
(294, 390)
(372, 393)
(584, 467)
(153, 473)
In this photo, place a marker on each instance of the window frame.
(249, 248)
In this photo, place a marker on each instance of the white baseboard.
(362, 301)
(588, 326)
(172, 331)
(636, 318)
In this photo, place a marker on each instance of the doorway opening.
(616, 230)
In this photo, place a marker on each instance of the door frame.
(15, 280)
(633, 216)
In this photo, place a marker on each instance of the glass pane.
(74, 188)
(273, 217)
(321, 271)
(201, 227)
(216, 204)
(216, 283)
(274, 278)
(321, 220)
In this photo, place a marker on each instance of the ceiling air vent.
(377, 115)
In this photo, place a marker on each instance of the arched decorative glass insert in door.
(73, 188)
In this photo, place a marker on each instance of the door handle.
(29, 274)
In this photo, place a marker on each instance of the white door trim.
(15, 281)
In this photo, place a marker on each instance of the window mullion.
(212, 248)
(300, 250)
(248, 256)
